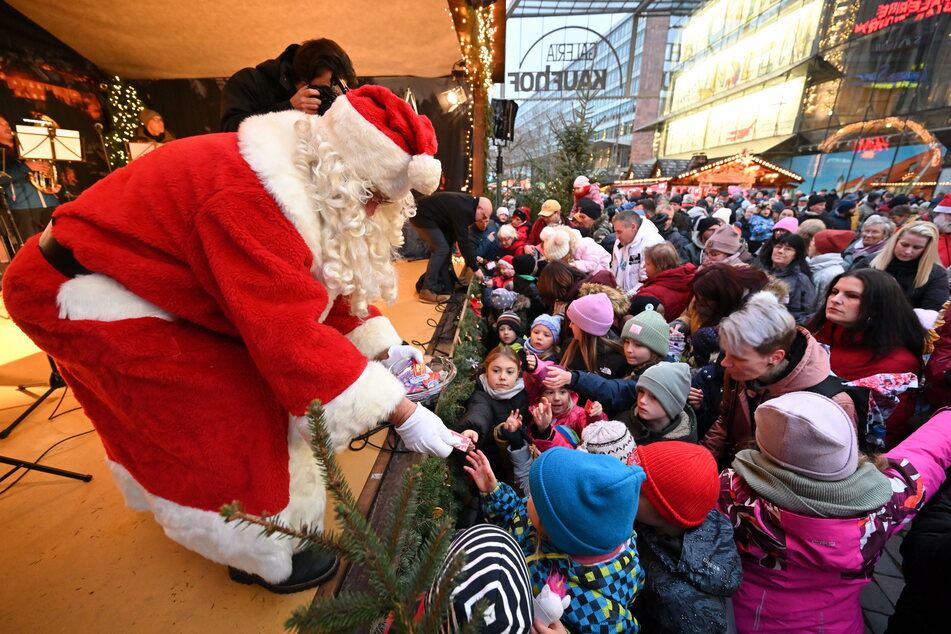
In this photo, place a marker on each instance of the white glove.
(424, 432)
(396, 354)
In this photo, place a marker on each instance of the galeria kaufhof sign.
(569, 58)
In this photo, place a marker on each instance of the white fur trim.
(101, 298)
(926, 317)
(268, 143)
(243, 547)
(374, 336)
(424, 172)
(366, 402)
(366, 150)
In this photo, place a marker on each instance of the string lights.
(124, 109)
(745, 158)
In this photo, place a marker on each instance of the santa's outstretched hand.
(424, 432)
(396, 354)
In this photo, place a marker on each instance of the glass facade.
(848, 94)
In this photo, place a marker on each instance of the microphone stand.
(102, 141)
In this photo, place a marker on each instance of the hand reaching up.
(594, 410)
(480, 471)
(531, 362)
(695, 398)
(542, 414)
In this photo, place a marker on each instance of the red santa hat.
(379, 134)
(944, 207)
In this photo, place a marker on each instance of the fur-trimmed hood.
(620, 301)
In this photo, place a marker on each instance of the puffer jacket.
(805, 574)
(672, 288)
(593, 193)
(483, 413)
(590, 257)
(689, 578)
(807, 365)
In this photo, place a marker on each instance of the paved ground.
(879, 597)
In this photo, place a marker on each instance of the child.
(646, 338)
(543, 338)
(505, 273)
(557, 411)
(524, 284)
(608, 438)
(577, 523)
(590, 318)
(498, 393)
(685, 544)
(509, 328)
(811, 519)
(662, 412)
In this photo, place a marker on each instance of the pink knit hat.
(594, 314)
(789, 223)
(809, 434)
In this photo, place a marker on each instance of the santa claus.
(199, 299)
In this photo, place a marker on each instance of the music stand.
(140, 148)
(45, 143)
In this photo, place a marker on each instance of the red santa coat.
(203, 332)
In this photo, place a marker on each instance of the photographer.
(292, 81)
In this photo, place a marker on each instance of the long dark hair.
(556, 281)
(886, 319)
(720, 289)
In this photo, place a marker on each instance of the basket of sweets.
(422, 381)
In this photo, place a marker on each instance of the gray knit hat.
(807, 433)
(669, 383)
(609, 437)
(650, 329)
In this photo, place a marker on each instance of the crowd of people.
(710, 414)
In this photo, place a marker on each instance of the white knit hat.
(558, 242)
(608, 437)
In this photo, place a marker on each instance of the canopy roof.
(178, 39)
(742, 169)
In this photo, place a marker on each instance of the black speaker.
(503, 113)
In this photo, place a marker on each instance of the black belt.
(61, 258)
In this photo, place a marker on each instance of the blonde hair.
(507, 232)
(928, 258)
(354, 252)
(808, 230)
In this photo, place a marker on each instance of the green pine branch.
(400, 564)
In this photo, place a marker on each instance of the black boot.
(310, 569)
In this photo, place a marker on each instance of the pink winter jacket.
(805, 574)
(590, 257)
(576, 418)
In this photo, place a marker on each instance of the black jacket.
(268, 87)
(483, 415)
(451, 213)
(926, 554)
(931, 296)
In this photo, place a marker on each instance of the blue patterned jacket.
(601, 594)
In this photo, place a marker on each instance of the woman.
(781, 228)
(718, 290)
(875, 231)
(811, 517)
(765, 355)
(566, 245)
(911, 257)
(788, 263)
(703, 228)
(667, 279)
(871, 329)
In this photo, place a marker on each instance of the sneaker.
(429, 297)
(310, 569)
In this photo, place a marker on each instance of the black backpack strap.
(833, 385)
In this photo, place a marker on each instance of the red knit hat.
(833, 240)
(380, 132)
(682, 480)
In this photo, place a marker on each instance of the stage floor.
(75, 559)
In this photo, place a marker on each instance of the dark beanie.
(815, 199)
(706, 223)
(523, 264)
(589, 208)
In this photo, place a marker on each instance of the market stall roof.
(742, 169)
(214, 38)
(546, 8)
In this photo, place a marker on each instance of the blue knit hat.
(586, 502)
(553, 323)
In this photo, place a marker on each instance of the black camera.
(326, 96)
